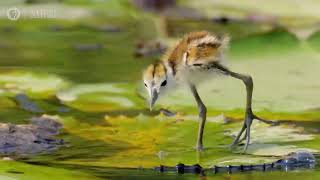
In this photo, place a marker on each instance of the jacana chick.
(196, 56)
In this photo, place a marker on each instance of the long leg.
(202, 115)
(249, 116)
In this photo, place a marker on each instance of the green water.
(108, 130)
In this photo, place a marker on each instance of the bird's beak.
(153, 98)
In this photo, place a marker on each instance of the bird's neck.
(169, 70)
(173, 80)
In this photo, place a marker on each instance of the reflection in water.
(296, 160)
(148, 173)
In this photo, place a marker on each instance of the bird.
(197, 56)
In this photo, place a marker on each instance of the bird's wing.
(205, 50)
(195, 48)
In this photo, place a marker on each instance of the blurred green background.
(81, 60)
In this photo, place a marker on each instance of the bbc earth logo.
(13, 14)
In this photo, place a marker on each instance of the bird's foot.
(237, 143)
(199, 147)
(233, 145)
(246, 128)
(237, 139)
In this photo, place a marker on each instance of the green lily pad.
(144, 141)
(275, 149)
(11, 170)
(96, 97)
(263, 133)
(7, 178)
(73, 93)
(245, 160)
(275, 140)
(33, 84)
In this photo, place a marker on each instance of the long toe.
(245, 148)
(247, 135)
(243, 138)
(199, 148)
(236, 140)
(233, 145)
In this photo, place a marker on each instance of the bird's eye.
(164, 83)
(145, 85)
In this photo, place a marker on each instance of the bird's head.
(156, 81)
